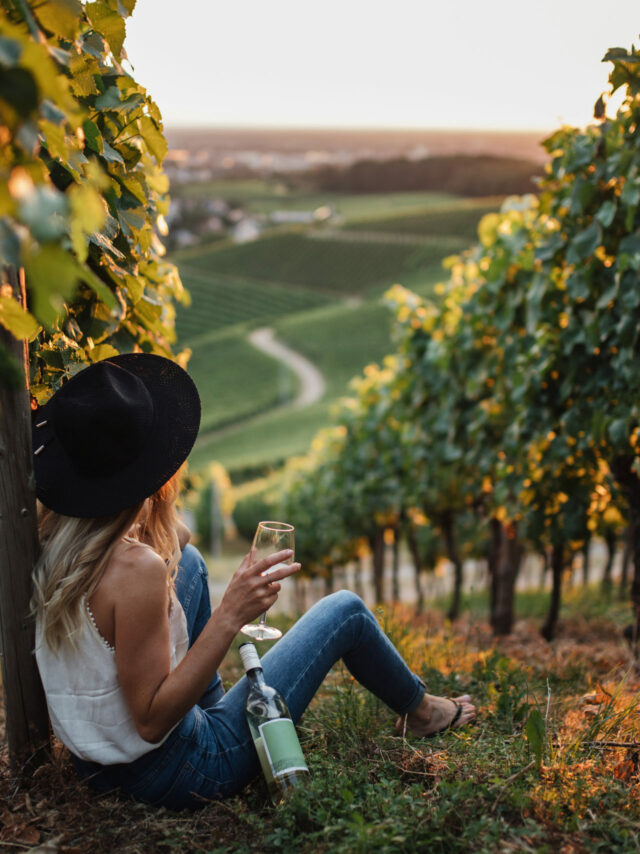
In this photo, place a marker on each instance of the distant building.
(246, 230)
(183, 238)
(285, 217)
(211, 225)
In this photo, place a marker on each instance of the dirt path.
(312, 383)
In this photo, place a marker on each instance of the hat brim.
(176, 421)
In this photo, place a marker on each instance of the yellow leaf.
(16, 319)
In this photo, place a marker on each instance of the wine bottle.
(272, 730)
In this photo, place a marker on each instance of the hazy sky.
(398, 63)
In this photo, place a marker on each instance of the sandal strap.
(454, 720)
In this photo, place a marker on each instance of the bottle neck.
(255, 676)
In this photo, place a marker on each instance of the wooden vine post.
(27, 721)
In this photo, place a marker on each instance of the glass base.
(259, 632)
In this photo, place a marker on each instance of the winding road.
(312, 383)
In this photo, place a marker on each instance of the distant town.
(209, 167)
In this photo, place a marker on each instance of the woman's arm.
(157, 697)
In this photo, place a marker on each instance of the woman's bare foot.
(435, 714)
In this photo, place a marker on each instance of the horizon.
(169, 126)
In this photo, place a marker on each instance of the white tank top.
(86, 703)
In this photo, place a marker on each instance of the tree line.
(461, 174)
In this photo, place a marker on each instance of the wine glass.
(270, 537)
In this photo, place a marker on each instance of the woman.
(126, 643)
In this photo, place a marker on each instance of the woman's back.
(87, 705)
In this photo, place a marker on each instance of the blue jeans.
(210, 753)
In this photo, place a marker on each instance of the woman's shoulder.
(135, 564)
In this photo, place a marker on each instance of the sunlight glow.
(415, 63)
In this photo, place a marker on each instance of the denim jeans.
(210, 753)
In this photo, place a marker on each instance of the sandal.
(454, 720)
(451, 725)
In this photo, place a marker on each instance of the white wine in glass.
(270, 537)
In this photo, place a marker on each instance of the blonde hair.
(76, 552)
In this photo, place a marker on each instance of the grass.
(265, 440)
(534, 773)
(460, 219)
(219, 301)
(359, 334)
(292, 281)
(235, 380)
(329, 266)
(264, 197)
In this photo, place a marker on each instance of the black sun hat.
(114, 434)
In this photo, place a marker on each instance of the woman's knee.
(345, 603)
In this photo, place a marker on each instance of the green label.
(282, 747)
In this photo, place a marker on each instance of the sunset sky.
(365, 63)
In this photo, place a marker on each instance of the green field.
(329, 266)
(235, 380)
(265, 197)
(459, 220)
(358, 334)
(322, 296)
(219, 301)
(267, 439)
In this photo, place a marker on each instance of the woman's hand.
(253, 588)
(157, 696)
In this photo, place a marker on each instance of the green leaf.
(52, 276)
(52, 113)
(534, 731)
(102, 351)
(92, 136)
(630, 193)
(618, 431)
(18, 89)
(585, 243)
(154, 138)
(606, 213)
(109, 100)
(108, 23)
(60, 17)
(149, 314)
(96, 284)
(133, 183)
(19, 322)
(55, 141)
(9, 244)
(135, 288)
(29, 138)
(577, 286)
(110, 154)
(45, 211)
(10, 51)
(128, 5)
(84, 84)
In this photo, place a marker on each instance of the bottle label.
(281, 746)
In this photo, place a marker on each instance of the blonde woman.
(126, 642)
